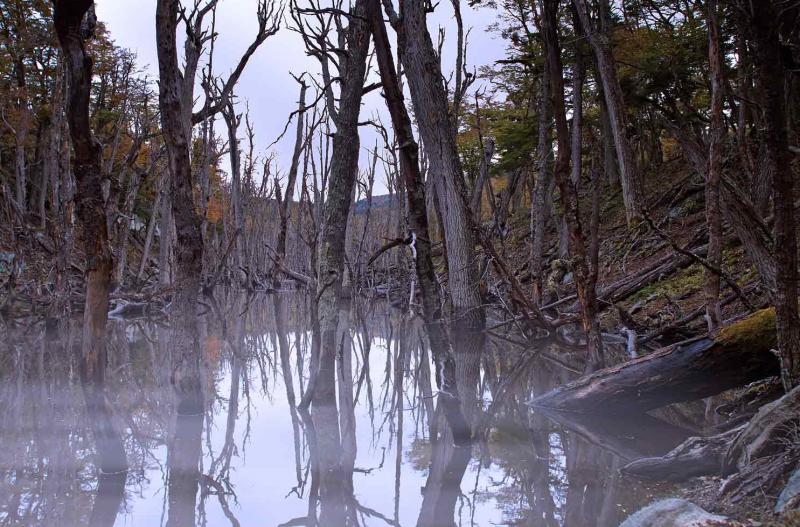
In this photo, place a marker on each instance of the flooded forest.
(399, 263)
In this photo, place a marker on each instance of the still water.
(245, 456)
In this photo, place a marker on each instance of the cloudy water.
(235, 450)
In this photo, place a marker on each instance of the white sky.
(266, 84)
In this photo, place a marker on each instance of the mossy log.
(737, 355)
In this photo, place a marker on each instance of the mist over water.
(237, 452)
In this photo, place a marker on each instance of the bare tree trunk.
(429, 98)
(71, 32)
(21, 136)
(232, 121)
(771, 78)
(418, 225)
(340, 185)
(630, 178)
(716, 138)
(286, 202)
(189, 247)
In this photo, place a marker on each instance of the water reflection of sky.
(263, 472)
(572, 483)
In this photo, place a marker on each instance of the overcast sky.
(266, 84)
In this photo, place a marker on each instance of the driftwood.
(697, 456)
(739, 354)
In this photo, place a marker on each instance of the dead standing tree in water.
(350, 57)
(74, 22)
(418, 223)
(176, 98)
(437, 130)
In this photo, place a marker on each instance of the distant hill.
(385, 201)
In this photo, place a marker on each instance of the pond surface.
(243, 455)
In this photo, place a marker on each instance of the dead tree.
(350, 57)
(419, 239)
(177, 135)
(232, 122)
(286, 201)
(68, 17)
(429, 97)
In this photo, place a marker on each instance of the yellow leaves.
(215, 211)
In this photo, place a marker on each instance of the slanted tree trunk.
(68, 17)
(429, 98)
(286, 202)
(151, 224)
(771, 78)
(418, 225)
(715, 145)
(630, 178)
(737, 355)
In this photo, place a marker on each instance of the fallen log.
(739, 354)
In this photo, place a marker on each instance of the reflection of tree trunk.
(587, 467)
(183, 458)
(313, 462)
(443, 485)
(110, 490)
(284, 351)
(229, 446)
(538, 466)
(347, 417)
(333, 481)
(184, 451)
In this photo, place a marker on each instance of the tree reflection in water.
(213, 436)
